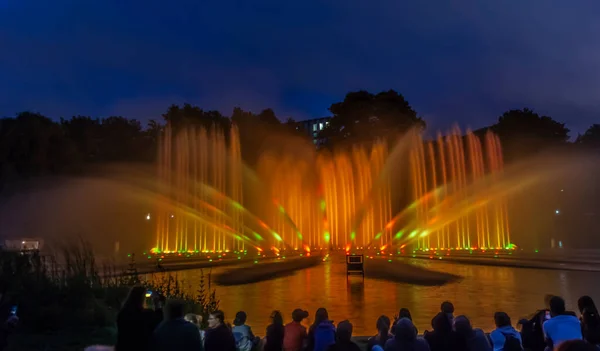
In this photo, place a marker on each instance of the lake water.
(483, 291)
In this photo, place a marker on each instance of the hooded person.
(440, 338)
(343, 340)
(467, 338)
(405, 338)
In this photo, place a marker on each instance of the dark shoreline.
(265, 271)
(401, 272)
(513, 263)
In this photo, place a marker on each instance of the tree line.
(32, 144)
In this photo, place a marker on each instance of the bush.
(70, 306)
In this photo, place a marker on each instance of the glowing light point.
(257, 236)
(148, 217)
(323, 205)
(424, 233)
(557, 211)
(378, 235)
(237, 205)
(327, 236)
(399, 234)
(352, 236)
(413, 233)
(281, 209)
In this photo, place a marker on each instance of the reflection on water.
(483, 291)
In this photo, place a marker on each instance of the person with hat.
(295, 333)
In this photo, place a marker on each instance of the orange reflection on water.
(483, 291)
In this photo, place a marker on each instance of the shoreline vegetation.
(74, 304)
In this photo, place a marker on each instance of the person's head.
(404, 313)
(135, 298)
(586, 303)
(441, 323)
(298, 315)
(344, 331)
(216, 318)
(462, 326)
(547, 299)
(557, 306)
(576, 345)
(405, 330)
(277, 318)
(447, 307)
(321, 316)
(502, 319)
(383, 325)
(240, 318)
(174, 309)
(192, 318)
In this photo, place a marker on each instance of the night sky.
(465, 61)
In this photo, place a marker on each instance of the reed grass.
(70, 298)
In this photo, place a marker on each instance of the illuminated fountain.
(443, 173)
(323, 197)
(202, 174)
(439, 195)
(348, 199)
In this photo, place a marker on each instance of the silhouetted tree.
(363, 116)
(32, 144)
(86, 134)
(591, 137)
(524, 132)
(189, 115)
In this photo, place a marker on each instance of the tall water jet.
(449, 165)
(323, 198)
(331, 200)
(188, 162)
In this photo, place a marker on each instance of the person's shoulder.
(478, 332)
(422, 344)
(494, 334)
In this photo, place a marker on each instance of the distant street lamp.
(148, 217)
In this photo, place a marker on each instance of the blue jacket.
(562, 328)
(244, 339)
(324, 336)
(498, 338)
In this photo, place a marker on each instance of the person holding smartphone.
(135, 323)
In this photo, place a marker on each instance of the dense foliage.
(69, 300)
(32, 144)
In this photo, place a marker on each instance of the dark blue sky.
(464, 61)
